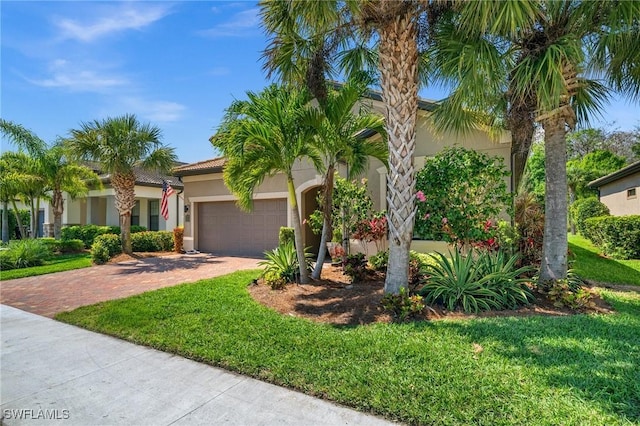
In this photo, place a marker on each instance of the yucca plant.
(475, 282)
(282, 262)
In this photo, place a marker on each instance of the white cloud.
(127, 17)
(241, 24)
(76, 77)
(155, 111)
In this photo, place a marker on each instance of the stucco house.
(98, 207)
(213, 222)
(620, 190)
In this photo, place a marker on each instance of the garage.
(224, 229)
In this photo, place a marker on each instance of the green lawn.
(571, 370)
(590, 265)
(63, 262)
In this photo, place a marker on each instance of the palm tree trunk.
(326, 223)
(5, 221)
(16, 212)
(399, 81)
(125, 197)
(297, 231)
(555, 244)
(57, 205)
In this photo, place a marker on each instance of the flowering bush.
(372, 230)
(458, 191)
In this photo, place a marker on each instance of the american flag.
(167, 190)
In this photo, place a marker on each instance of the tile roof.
(143, 177)
(213, 165)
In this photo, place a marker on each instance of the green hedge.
(88, 233)
(152, 241)
(64, 246)
(584, 209)
(616, 236)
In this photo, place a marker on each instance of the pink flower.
(444, 220)
(420, 196)
(427, 216)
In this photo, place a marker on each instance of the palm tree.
(13, 178)
(263, 136)
(531, 62)
(338, 138)
(57, 174)
(118, 145)
(395, 27)
(61, 176)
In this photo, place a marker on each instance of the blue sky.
(177, 65)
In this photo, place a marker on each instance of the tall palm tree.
(14, 176)
(56, 172)
(118, 145)
(535, 61)
(338, 138)
(395, 28)
(265, 135)
(63, 175)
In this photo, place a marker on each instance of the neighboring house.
(213, 222)
(620, 190)
(99, 208)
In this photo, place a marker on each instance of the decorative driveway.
(50, 294)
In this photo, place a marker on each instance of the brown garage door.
(225, 229)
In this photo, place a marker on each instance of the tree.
(13, 178)
(530, 61)
(338, 137)
(55, 172)
(118, 145)
(265, 135)
(343, 33)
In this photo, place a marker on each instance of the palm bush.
(475, 282)
(24, 254)
(282, 263)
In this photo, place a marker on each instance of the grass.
(570, 370)
(59, 263)
(590, 265)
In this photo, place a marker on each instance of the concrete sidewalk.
(54, 373)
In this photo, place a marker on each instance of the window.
(135, 214)
(631, 193)
(154, 215)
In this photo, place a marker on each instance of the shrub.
(616, 236)
(111, 242)
(458, 191)
(99, 252)
(63, 246)
(178, 239)
(529, 217)
(402, 306)
(152, 241)
(380, 260)
(13, 223)
(134, 229)
(355, 266)
(87, 233)
(282, 262)
(6, 261)
(25, 254)
(562, 293)
(477, 281)
(286, 235)
(584, 209)
(71, 246)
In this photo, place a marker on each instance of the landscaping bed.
(334, 300)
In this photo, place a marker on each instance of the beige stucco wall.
(210, 187)
(614, 196)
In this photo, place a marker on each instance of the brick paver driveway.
(63, 291)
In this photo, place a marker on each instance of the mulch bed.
(335, 301)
